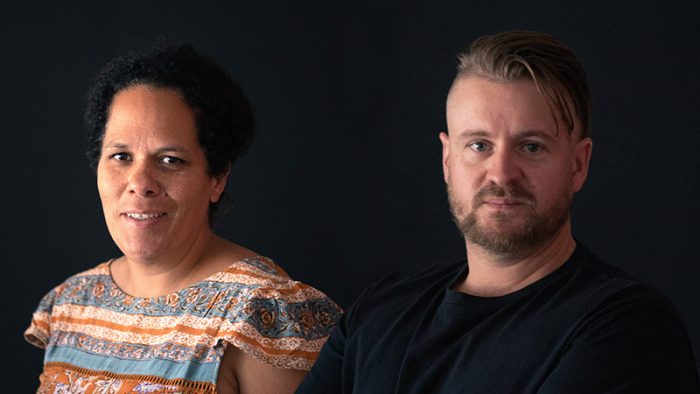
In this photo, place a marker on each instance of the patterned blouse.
(100, 340)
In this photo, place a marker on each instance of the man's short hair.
(530, 56)
(223, 114)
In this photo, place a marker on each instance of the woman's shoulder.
(263, 279)
(260, 276)
(257, 267)
(38, 331)
(272, 317)
(79, 280)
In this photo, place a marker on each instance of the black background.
(344, 183)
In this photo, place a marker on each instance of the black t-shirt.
(585, 328)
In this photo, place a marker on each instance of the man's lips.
(502, 202)
(504, 197)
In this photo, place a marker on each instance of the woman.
(183, 310)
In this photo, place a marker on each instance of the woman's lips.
(144, 216)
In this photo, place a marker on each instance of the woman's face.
(152, 176)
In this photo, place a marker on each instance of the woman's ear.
(219, 185)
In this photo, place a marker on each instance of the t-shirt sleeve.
(284, 325)
(635, 344)
(327, 374)
(39, 329)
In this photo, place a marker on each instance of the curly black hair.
(223, 115)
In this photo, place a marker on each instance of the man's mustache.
(516, 192)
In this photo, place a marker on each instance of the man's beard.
(510, 242)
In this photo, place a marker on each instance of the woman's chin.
(143, 251)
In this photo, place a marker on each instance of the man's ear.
(219, 185)
(445, 139)
(582, 158)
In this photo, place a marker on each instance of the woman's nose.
(143, 180)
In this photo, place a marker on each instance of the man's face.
(511, 169)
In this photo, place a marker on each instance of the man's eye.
(171, 160)
(532, 147)
(479, 146)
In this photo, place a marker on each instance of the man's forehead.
(475, 96)
(472, 97)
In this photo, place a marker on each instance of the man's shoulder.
(440, 275)
(595, 272)
(606, 285)
(402, 288)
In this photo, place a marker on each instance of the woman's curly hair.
(223, 115)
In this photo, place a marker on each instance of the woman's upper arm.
(241, 373)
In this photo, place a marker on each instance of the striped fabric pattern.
(100, 340)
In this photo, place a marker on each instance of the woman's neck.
(166, 274)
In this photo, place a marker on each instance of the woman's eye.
(120, 156)
(171, 160)
(479, 146)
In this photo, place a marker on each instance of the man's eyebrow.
(535, 133)
(524, 133)
(473, 133)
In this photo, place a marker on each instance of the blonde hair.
(530, 56)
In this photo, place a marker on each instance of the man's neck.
(497, 275)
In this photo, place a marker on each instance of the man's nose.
(504, 168)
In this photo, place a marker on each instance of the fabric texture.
(100, 340)
(585, 328)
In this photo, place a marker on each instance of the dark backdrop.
(344, 182)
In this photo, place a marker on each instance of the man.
(532, 311)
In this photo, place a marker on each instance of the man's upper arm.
(332, 371)
(326, 374)
(637, 345)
